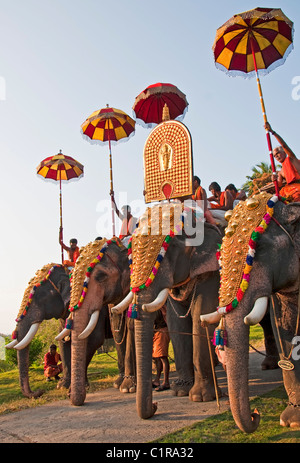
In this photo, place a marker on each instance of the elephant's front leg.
(180, 330)
(129, 381)
(204, 389)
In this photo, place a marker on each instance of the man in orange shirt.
(51, 366)
(222, 202)
(128, 221)
(290, 170)
(200, 195)
(73, 251)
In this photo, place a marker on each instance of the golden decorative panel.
(245, 217)
(168, 164)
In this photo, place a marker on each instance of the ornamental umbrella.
(108, 126)
(60, 168)
(253, 42)
(149, 104)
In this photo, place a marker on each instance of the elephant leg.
(204, 357)
(271, 360)
(129, 381)
(119, 330)
(180, 330)
(65, 352)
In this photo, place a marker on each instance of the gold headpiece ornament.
(87, 254)
(245, 217)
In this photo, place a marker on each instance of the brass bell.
(252, 203)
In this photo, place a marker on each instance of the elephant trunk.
(237, 362)
(78, 358)
(23, 363)
(144, 343)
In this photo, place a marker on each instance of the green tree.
(37, 347)
(261, 176)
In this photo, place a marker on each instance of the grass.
(220, 428)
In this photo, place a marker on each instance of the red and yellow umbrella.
(149, 104)
(60, 168)
(254, 42)
(108, 126)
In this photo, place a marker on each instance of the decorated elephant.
(259, 260)
(100, 277)
(47, 296)
(161, 263)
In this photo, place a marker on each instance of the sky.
(60, 60)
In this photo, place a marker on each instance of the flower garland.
(89, 271)
(31, 295)
(256, 234)
(69, 321)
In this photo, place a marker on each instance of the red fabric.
(50, 360)
(289, 171)
(198, 194)
(222, 201)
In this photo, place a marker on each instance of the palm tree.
(261, 176)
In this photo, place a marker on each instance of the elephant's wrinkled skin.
(180, 263)
(108, 284)
(275, 270)
(52, 301)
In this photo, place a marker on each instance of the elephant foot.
(203, 392)
(181, 388)
(270, 363)
(290, 417)
(128, 385)
(118, 381)
(63, 384)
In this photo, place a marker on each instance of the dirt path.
(110, 417)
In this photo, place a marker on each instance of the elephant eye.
(100, 276)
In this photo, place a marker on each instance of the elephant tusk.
(123, 305)
(211, 318)
(258, 312)
(158, 302)
(11, 344)
(65, 332)
(29, 337)
(91, 325)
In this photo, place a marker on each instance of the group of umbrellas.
(249, 43)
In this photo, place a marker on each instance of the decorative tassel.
(133, 308)
(220, 335)
(69, 323)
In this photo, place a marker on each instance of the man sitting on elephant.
(290, 171)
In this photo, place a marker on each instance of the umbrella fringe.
(106, 142)
(151, 125)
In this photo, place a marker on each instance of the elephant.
(103, 270)
(195, 270)
(268, 276)
(50, 300)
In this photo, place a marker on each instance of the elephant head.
(259, 257)
(160, 262)
(100, 277)
(47, 296)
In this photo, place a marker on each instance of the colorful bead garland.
(33, 291)
(37, 285)
(256, 234)
(159, 258)
(89, 271)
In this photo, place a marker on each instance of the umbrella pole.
(61, 225)
(111, 189)
(265, 120)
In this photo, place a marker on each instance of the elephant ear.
(204, 258)
(291, 216)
